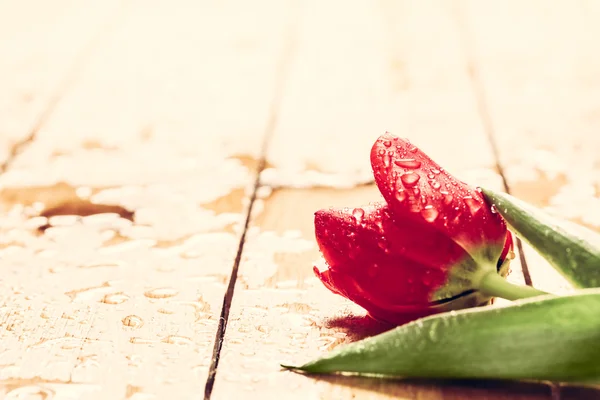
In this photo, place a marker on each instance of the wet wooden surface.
(161, 165)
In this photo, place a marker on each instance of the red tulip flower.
(434, 246)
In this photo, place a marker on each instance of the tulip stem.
(495, 285)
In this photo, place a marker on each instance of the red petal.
(508, 245)
(419, 190)
(394, 314)
(380, 263)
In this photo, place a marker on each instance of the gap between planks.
(282, 73)
(64, 84)
(479, 93)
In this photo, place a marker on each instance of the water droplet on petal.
(494, 209)
(387, 143)
(410, 179)
(400, 195)
(435, 171)
(381, 152)
(358, 213)
(412, 149)
(178, 340)
(429, 213)
(414, 206)
(448, 199)
(386, 160)
(416, 191)
(473, 204)
(430, 176)
(435, 184)
(408, 163)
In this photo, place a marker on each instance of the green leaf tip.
(573, 250)
(543, 338)
(307, 368)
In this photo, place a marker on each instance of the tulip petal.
(380, 263)
(418, 189)
(346, 286)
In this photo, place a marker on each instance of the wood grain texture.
(122, 219)
(540, 79)
(42, 47)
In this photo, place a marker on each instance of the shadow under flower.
(357, 327)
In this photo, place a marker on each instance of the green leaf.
(542, 338)
(572, 250)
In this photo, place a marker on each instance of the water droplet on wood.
(179, 340)
(132, 321)
(115, 298)
(161, 293)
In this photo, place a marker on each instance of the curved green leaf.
(543, 338)
(572, 250)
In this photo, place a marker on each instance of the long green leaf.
(543, 338)
(572, 250)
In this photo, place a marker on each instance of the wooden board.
(134, 131)
(542, 94)
(41, 52)
(151, 156)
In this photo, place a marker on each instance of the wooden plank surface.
(542, 94)
(156, 141)
(42, 47)
(143, 126)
